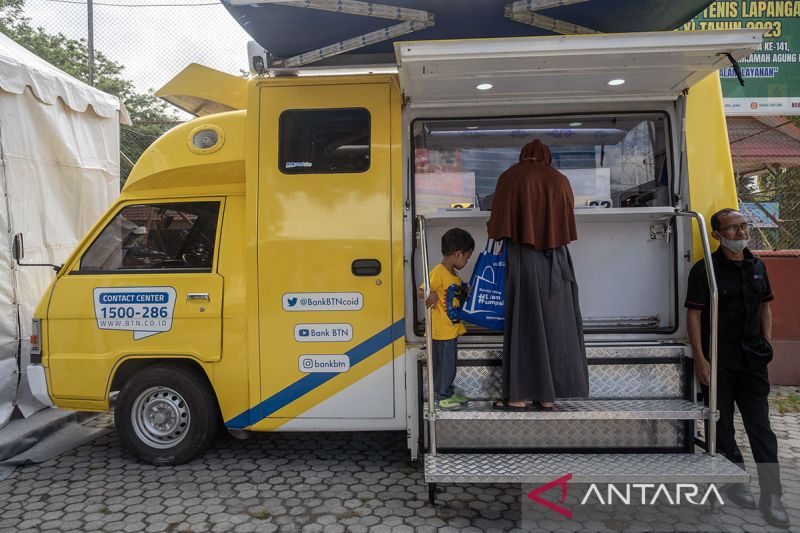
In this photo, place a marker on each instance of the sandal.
(539, 407)
(503, 405)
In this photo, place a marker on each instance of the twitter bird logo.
(291, 302)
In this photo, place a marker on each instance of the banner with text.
(772, 73)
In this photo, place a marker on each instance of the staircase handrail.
(423, 245)
(711, 441)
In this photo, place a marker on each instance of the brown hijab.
(533, 202)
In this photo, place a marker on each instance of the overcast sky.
(153, 42)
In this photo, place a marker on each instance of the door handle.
(198, 296)
(366, 267)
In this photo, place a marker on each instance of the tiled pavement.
(339, 482)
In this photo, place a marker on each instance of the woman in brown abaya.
(544, 356)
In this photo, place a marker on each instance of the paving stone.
(70, 525)
(50, 525)
(11, 514)
(28, 524)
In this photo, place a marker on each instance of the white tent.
(59, 171)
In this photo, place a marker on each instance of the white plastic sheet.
(59, 171)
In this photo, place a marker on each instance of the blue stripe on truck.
(308, 383)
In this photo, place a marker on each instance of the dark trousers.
(445, 354)
(748, 388)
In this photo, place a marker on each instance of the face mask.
(734, 246)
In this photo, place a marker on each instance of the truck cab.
(259, 268)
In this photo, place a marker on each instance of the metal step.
(674, 352)
(573, 424)
(585, 468)
(638, 399)
(641, 380)
(585, 410)
(553, 435)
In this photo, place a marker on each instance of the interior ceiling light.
(484, 86)
(575, 124)
(618, 81)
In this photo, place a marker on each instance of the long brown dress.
(544, 356)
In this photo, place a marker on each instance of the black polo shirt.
(743, 286)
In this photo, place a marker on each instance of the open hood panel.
(655, 66)
(201, 91)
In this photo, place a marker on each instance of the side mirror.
(19, 248)
(18, 252)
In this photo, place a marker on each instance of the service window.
(156, 237)
(610, 160)
(324, 141)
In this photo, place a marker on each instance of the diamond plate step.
(606, 381)
(661, 351)
(585, 468)
(565, 435)
(584, 410)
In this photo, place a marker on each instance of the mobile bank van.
(258, 270)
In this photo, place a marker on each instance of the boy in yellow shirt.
(457, 247)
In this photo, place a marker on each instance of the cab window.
(324, 141)
(156, 237)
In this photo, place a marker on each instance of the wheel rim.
(160, 417)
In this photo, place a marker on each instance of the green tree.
(150, 116)
(10, 13)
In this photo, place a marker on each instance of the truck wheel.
(166, 415)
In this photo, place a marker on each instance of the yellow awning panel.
(204, 91)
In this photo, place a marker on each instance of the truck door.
(324, 252)
(146, 285)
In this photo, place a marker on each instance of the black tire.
(166, 414)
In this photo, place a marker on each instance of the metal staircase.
(636, 402)
(637, 425)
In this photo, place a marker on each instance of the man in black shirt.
(745, 328)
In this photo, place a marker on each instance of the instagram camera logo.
(562, 482)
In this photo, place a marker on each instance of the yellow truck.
(258, 270)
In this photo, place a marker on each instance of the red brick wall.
(783, 269)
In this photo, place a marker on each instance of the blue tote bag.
(485, 305)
